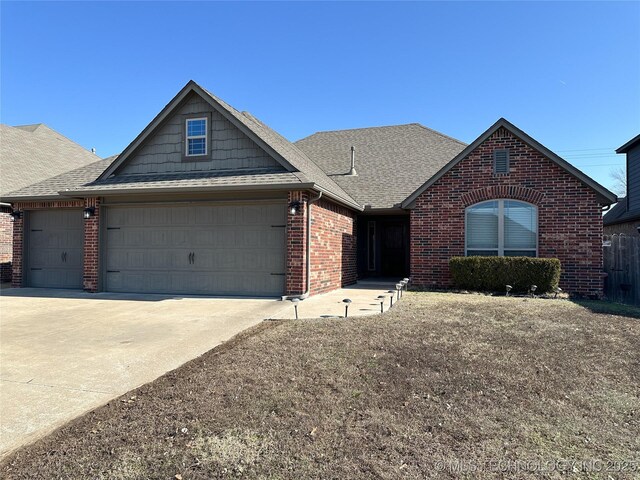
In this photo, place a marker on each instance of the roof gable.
(281, 150)
(605, 195)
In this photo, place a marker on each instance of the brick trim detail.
(513, 192)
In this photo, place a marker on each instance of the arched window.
(501, 228)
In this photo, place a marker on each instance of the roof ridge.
(442, 134)
(362, 128)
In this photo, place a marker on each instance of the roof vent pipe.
(352, 171)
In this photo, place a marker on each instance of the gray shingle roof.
(32, 153)
(190, 181)
(391, 162)
(50, 187)
(620, 214)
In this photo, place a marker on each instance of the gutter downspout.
(308, 287)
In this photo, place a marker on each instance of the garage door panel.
(202, 249)
(55, 248)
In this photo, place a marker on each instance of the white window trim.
(188, 137)
(500, 227)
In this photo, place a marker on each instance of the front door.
(393, 249)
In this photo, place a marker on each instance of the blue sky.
(566, 73)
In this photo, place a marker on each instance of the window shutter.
(501, 161)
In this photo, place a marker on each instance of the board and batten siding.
(228, 148)
(633, 178)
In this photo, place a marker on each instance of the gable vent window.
(196, 137)
(501, 161)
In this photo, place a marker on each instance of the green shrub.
(491, 274)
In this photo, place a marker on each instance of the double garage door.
(224, 249)
(215, 249)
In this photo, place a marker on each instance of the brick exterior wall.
(333, 247)
(6, 244)
(295, 283)
(569, 215)
(91, 254)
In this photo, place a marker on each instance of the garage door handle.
(191, 258)
(36, 269)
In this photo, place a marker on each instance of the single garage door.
(55, 247)
(220, 249)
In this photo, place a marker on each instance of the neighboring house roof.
(629, 145)
(607, 197)
(307, 173)
(391, 162)
(52, 188)
(32, 153)
(620, 214)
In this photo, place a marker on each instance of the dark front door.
(393, 249)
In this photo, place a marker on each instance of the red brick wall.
(91, 247)
(297, 245)
(569, 216)
(6, 243)
(333, 247)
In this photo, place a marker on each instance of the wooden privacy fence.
(622, 265)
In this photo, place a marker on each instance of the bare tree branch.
(619, 177)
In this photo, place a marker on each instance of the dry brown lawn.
(443, 385)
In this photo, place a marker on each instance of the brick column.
(18, 242)
(91, 247)
(297, 245)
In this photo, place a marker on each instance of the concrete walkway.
(63, 353)
(364, 302)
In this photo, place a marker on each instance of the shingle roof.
(391, 162)
(32, 153)
(50, 187)
(190, 181)
(620, 214)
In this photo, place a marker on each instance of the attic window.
(196, 137)
(501, 161)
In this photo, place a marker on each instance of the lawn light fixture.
(406, 283)
(294, 207)
(533, 289)
(381, 300)
(15, 215)
(558, 290)
(88, 212)
(509, 288)
(398, 288)
(295, 302)
(347, 302)
(391, 294)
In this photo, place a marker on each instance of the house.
(30, 154)
(624, 217)
(209, 200)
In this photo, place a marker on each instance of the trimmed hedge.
(491, 274)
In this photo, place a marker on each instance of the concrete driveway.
(63, 353)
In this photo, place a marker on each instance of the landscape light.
(381, 300)
(509, 288)
(533, 290)
(391, 294)
(295, 302)
(347, 302)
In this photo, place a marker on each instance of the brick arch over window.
(513, 192)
